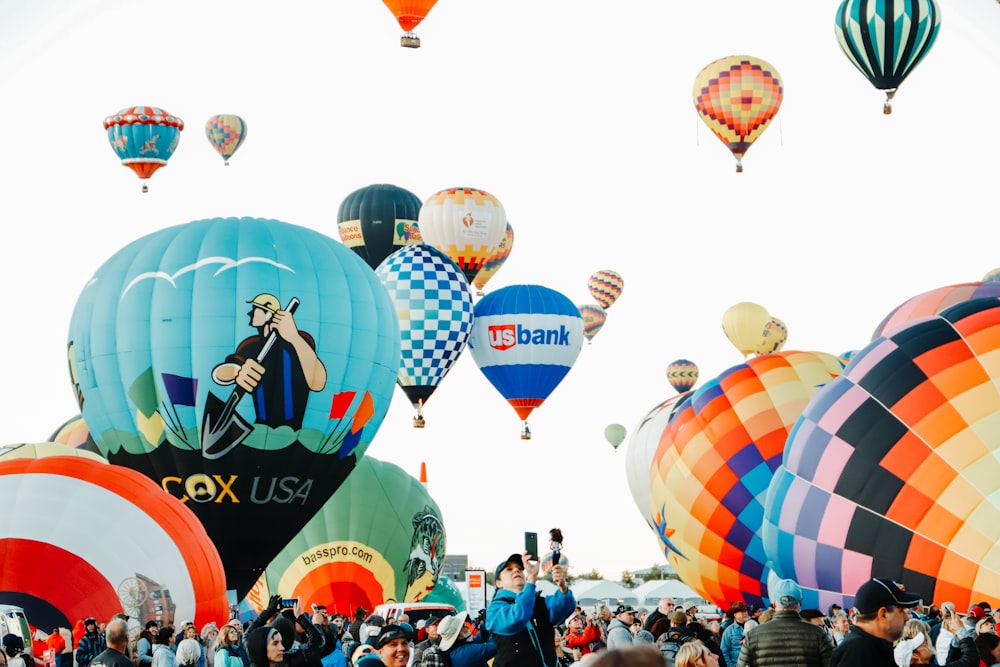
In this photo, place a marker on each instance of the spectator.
(633, 656)
(144, 645)
(90, 644)
(188, 653)
(658, 621)
(163, 654)
(462, 648)
(265, 647)
(13, 647)
(433, 637)
(619, 630)
(840, 627)
(355, 626)
(393, 645)
(209, 638)
(580, 635)
(988, 649)
(228, 653)
(786, 640)
(696, 654)
(520, 619)
(116, 642)
(883, 608)
(732, 636)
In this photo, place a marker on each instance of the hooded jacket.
(257, 641)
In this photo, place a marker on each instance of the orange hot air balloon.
(737, 97)
(409, 14)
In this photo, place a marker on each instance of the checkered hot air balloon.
(934, 302)
(893, 470)
(886, 39)
(434, 306)
(710, 473)
(144, 138)
(737, 97)
(226, 132)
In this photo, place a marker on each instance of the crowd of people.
(887, 627)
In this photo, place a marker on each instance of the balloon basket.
(525, 432)
(145, 188)
(418, 422)
(887, 107)
(739, 167)
(409, 40)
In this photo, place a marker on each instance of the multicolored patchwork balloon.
(144, 138)
(226, 132)
(605, 286)
(894, 468)
(466, 224)
(434, 307)
(934, 302)
(712, 468)
(737, 97)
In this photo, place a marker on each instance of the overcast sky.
(578, 117)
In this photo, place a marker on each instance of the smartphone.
(531, 544)
(289, 603)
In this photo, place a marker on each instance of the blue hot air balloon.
(242, 364)
(525, 338)
(434, 307)
(144, 138)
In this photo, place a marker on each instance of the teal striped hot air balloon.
(886, 39)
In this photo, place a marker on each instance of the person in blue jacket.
(521, 620)
(464, 649)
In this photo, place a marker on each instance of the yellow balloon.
(743, 324)
(41, 450)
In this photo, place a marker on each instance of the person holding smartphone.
(522, 620)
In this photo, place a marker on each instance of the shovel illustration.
(222, 428)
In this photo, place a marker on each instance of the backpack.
(433, 656)
(671, 645)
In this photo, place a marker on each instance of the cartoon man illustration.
(281, 380)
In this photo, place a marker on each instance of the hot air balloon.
(377, 220)
(886, 40)
(737, 97)
(74, 433)
(545, 565)
(934, 302)
(409, 13)
(379, 538)
(893, 469)
(244, 365)
(434, 306)
(41, 450)
(743, 324)
(605, 286)
(772, 338)
(464, 223)
(144, 138)
(525, 338)
(593, 320)
(615, 435)
(494, 261)
(711, 470)
(226, 132)
(160, 565)
(992, 276)
(682, 374)
(641, 448)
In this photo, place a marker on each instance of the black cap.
(808, 614)
(391, 632)
(883, 592)
(624, 609)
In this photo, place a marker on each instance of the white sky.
(578, 117)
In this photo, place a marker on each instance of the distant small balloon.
(594, 318)
(615, 434)
(994, 275)
(773, 337)
(606, 286)
(682, 374)
(743, 324)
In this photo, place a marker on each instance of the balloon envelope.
(525, 338)
(711, 471)
(642, 446)
(161, 565)
(934, 302)
(434, 306)
(594, 318)
(886, 40)
(495, 261)
(144, 138)
(772, 338)
(379, 538)
(226, 133)
(464, 223)
(377, 220)
(682, 374)
(893, 468)
(605, 286)
(737, 97)
(743, 323)
(614, 434)
(169, 323)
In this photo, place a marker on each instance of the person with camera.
(520, 619)
(787, 640)
(582, 634)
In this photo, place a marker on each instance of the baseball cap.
(976, 612)
(786, 592)
(389, 633)
(624, 609)
(811, 613)
(513, 558)
(883, 592)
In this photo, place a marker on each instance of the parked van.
(416, 611)
(13, 621)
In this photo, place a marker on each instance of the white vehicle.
(415, 611)
(13, 621)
